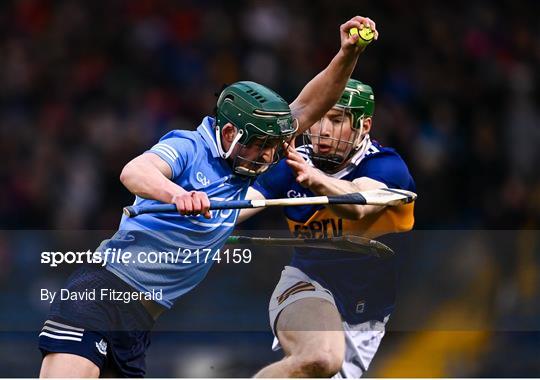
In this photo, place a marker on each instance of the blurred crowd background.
(87, 85)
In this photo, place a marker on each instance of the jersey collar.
(354, 161)
(208, 133)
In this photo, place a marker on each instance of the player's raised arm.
(323, 91)
(149, 176)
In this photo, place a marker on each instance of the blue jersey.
(363, 286)
(196, 165)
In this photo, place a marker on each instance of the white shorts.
(362, 340)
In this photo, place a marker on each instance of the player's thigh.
(311, 325)
(67, 365)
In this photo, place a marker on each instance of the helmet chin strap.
(362, 145)
(362, 141)
(228, 153)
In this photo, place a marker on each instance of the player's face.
(333, 134)
(257, 155)
(260, 149)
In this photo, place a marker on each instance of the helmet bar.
(270, 113)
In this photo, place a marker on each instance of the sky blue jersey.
(196, 165)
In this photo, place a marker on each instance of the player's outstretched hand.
(192, 203)
(306, 175)
(348, 42)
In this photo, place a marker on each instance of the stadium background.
(86, 86)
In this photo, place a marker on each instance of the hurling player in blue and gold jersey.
(81, 338)
(329, 309)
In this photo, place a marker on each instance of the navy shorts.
(112, 334)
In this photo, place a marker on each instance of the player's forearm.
(145, 180)
(331, 186)
(247, 213)
(326, 185)
(323, 91)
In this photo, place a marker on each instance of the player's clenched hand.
(306, 175)
(192, 203)
(348, 42)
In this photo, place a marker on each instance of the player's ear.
(367, 124)
(228, 132)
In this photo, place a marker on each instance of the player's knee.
(56, 365)
(320, 363)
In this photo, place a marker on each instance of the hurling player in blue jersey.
(329, 309)
(82, 338)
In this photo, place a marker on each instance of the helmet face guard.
(259, 155)
(263, 121)
(330, 152)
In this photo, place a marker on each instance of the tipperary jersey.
(192, 241)
(363, 286)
